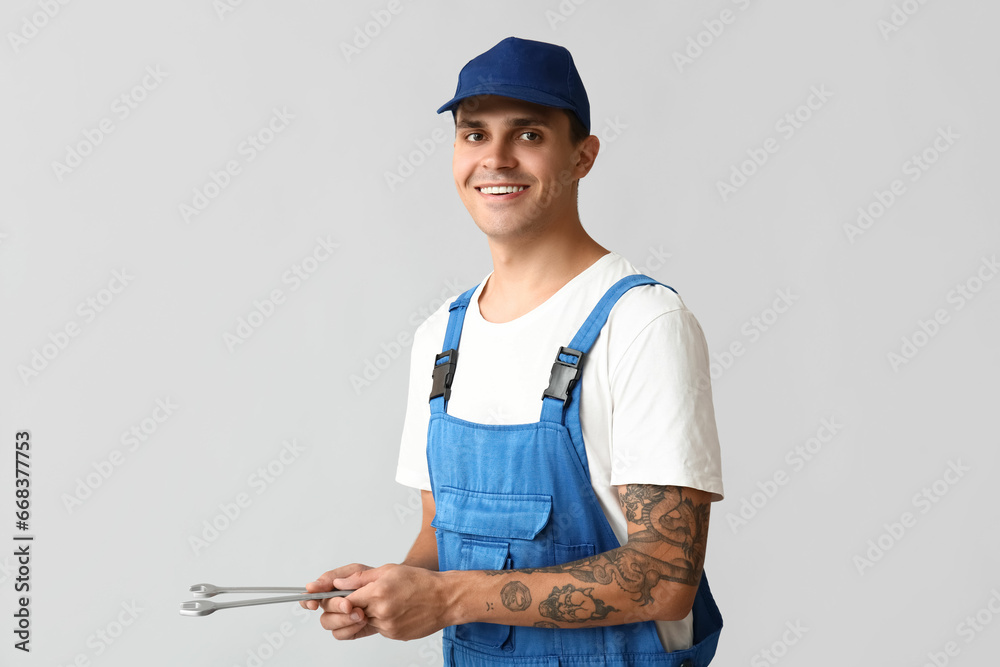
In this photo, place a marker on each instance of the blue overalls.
(519, 495)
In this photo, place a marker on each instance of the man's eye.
(530, 136)
(474, 136)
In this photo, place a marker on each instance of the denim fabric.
(516, 496)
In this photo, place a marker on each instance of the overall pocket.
(477, 530)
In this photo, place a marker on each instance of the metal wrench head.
(204, 590)
(197, 608)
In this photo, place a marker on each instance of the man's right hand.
(343, 619)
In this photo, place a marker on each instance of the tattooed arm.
(653, 576)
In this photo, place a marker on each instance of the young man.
(572, 529)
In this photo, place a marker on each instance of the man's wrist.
(459, 589)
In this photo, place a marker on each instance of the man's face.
(525, 150)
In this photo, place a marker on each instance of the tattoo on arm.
(668, 546)
(670, 520)
(668, 517)
(574, 605)
(515, 596)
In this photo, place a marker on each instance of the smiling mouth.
(502, 189)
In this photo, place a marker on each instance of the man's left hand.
(399, 601)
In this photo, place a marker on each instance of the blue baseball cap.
(525, 70)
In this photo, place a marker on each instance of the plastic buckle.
(443, 374)
(564, 375)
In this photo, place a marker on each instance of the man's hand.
(341, 617)
(346, 617)
(399, 601)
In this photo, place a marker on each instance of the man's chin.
(506, 228)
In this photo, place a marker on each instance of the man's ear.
(586, 154)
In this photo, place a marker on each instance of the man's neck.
(526, 274)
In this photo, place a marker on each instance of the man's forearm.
(423, 553)
(624, 585)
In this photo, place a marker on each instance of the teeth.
(501, 189)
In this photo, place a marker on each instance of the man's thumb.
(355, 581)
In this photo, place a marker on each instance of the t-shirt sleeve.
(411, 469)
(663, 420)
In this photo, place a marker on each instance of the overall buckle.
(564, 375)
(444, 374)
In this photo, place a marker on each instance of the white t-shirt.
(646, 410)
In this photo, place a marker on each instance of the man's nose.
(499, 155)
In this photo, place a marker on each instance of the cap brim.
(506, 90)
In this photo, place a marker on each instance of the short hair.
(577, 130)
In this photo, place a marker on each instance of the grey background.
(402, 250)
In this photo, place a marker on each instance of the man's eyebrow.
(473, 123)
(525, 122)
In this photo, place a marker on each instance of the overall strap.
(444, 363)
(561, 400)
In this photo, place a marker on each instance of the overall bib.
(519, 495)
